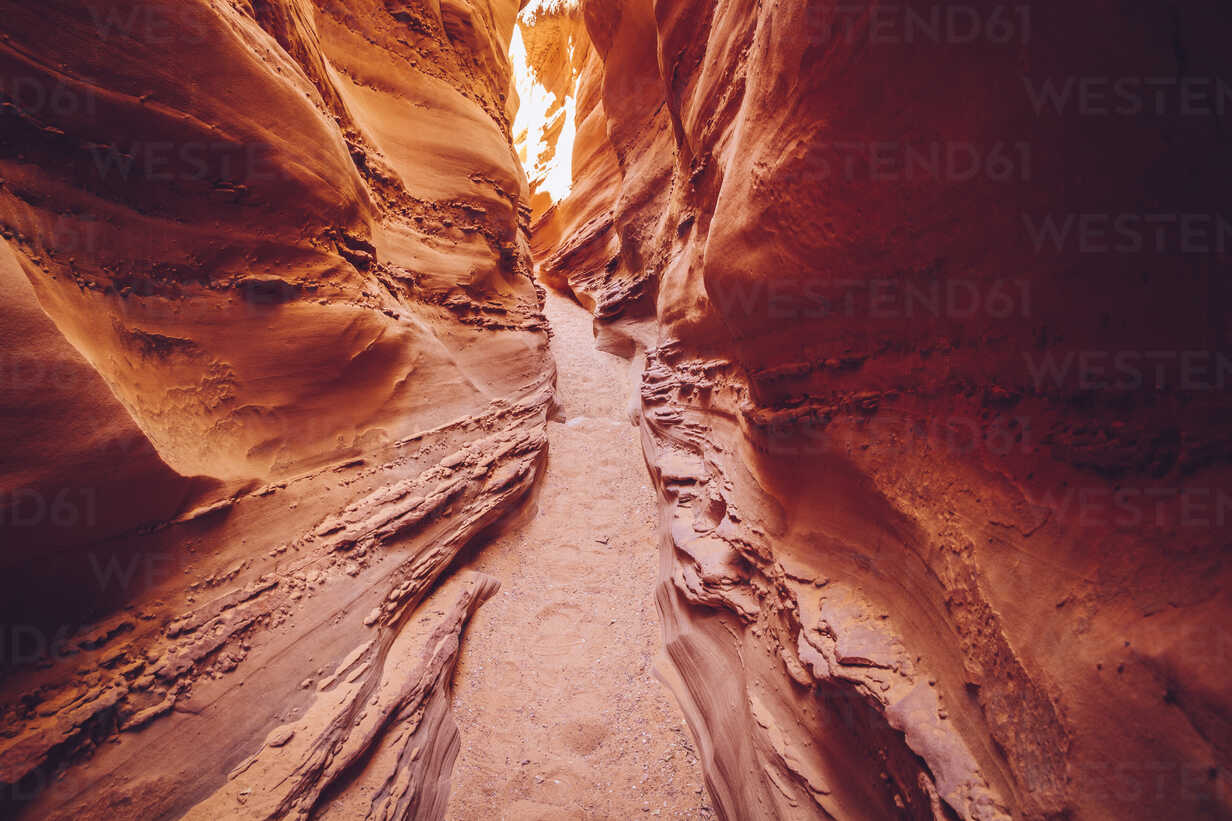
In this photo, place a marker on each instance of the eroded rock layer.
(936, 392)
(274, 357)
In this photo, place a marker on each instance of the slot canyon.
(527, 410)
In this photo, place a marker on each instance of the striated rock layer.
(936, 391)
(273, 357)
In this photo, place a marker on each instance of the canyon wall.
(931, 301)
(934, 297)
(273, 357)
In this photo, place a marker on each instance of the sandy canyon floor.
(560, 713)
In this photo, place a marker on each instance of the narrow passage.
(559, 711)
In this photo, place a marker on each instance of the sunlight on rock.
(544, 76)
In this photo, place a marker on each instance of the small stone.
(281, 736)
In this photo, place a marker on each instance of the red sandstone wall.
(946, 496)
(279, 248)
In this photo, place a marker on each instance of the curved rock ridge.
(281, 197)
(935, 393)
(590, 243)
(275, 357)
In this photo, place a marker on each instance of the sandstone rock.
(930, 306)
(876, 352)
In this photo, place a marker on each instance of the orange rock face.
(283, 199)
(273, 355)
(929, 302)
(936, 396)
